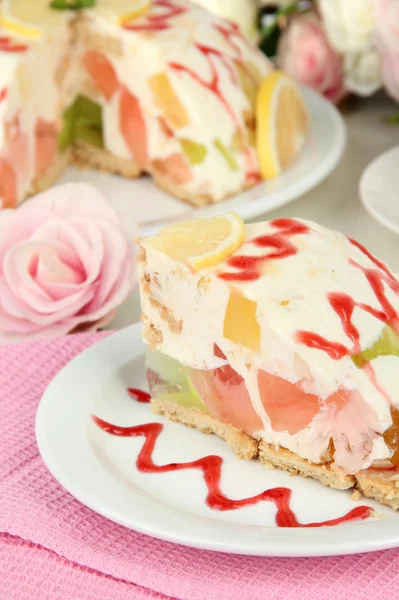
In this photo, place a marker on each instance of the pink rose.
(390, 73)
(305, 53)
(66, 263)
(387, 24)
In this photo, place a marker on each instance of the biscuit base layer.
(284, 459)
(198, 200)
(242, 444)
(86, 157)
(370, 483)
(178, 191)
(379, 487)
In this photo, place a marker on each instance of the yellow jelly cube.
(195, 152)
(240, 324)
(167, 101)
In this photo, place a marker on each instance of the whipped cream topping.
(295, 279)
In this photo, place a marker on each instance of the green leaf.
(72, 4)
(59, 4)
(282, 12)
(269, 35)
(268, 44)
(393, 119)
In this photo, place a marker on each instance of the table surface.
(335, 203)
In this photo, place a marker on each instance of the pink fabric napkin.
(52, 547)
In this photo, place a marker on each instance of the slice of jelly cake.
(282, 338)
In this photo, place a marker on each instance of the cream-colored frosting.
(291, 295)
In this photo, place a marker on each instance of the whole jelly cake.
(281, 338)
(137, 86)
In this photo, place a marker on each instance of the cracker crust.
(86, 157)
(194, 199)
(370, 484)
(327, 473)
(243, 445)
(378, 486)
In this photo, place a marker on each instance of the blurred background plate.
(151, 208)
(379, 189)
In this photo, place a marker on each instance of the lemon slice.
(201, 243)
(27, 18)
(282, 123)
(122, 11)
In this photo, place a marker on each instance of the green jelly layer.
(172, 381)
(386, 345)
(82, 120)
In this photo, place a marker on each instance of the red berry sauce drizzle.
(139, 395)
(231, 33)
(7, 45)
(248, 267)
(211, 467)
(213, 85)
(343, 305)
(161, 21)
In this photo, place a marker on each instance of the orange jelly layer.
(391, 436)
(288, 407)
(225, 394)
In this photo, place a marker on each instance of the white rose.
(278, 3)
(302, 5)
(349, 23)
(362, 71)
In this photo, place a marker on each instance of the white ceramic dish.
(379, 189)
(99, 470)
(151, 208)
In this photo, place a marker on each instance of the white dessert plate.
(140, 201)
(100, 470)
(379, 189)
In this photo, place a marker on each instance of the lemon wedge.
(201, 243)
(122, 12)
(27, 18)
(282, 123)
